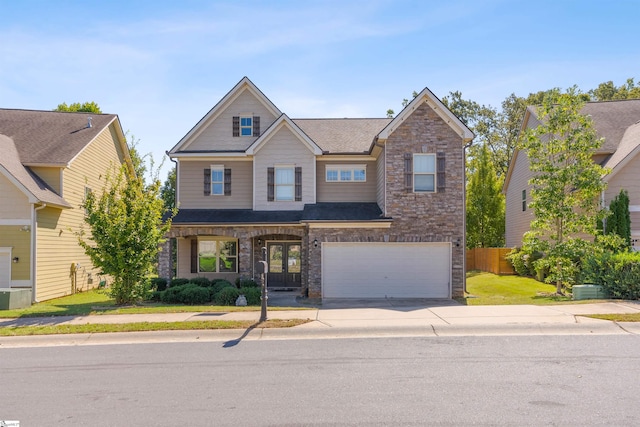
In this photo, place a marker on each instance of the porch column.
(164, 260)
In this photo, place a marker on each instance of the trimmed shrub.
(178, 282)
(246, 283)
(619, 274)
(170, 296)
(220, 284)
(155, 296)
(200, 281)
(159, 283)
(228, 295)
(194, 294)
(252, 294)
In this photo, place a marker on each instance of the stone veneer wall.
(428, 217)
(417, 217)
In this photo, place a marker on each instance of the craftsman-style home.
(346, 208)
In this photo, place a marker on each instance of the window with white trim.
(346, 173)
(217, 180)
(424, 173)
(284, 183)
(217, 255)
(246, 126)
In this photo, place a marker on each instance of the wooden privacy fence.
(491, 260)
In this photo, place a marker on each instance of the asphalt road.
(456, 381)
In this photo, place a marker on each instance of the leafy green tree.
(126, 228)
(485, 204)
(86, 107)
(566, 182)
(168, 190)
(607, 91)
(619, 221)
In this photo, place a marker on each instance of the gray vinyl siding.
(191, 185)
(380, 181)
(218, 134)
(517, 221)
(284, 148)
(346, 191)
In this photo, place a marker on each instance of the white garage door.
(386, 270)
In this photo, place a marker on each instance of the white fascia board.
(346, 158)
(281, 122)
(196, 157)
(221, 106)
(445, 114)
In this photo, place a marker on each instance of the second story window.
(424, 173)
(348, 173)
(284, 183)
(217, 180)
(524, 200)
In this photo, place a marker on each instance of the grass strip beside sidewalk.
(91, 328)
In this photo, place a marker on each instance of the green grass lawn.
(491, 289)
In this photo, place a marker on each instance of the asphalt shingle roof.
(311, 212)
(10, 161)
(50, 137)
(342, 135)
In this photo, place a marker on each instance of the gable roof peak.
(426, 96)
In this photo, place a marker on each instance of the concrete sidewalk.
(354, 319)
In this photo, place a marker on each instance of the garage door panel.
(386, 270)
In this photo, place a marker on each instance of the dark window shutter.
(298, 184)
(441, 171)
(256, 125)
(408, 172)
(236, 125)
(194, 255)
(227, 182)
(270, 184)
(207, 182)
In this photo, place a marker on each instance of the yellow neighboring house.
(49, 160)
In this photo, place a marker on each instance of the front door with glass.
(284, 264)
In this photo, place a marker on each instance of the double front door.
(284, 264)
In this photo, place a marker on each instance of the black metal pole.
(263, 285)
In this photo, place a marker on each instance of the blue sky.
(161, 65)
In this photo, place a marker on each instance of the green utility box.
(581, 292)
(11, 298)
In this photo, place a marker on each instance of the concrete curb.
(233, 337)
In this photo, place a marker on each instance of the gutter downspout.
(603, 206)
(384, 190)
(464, 216)
(34, 231)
